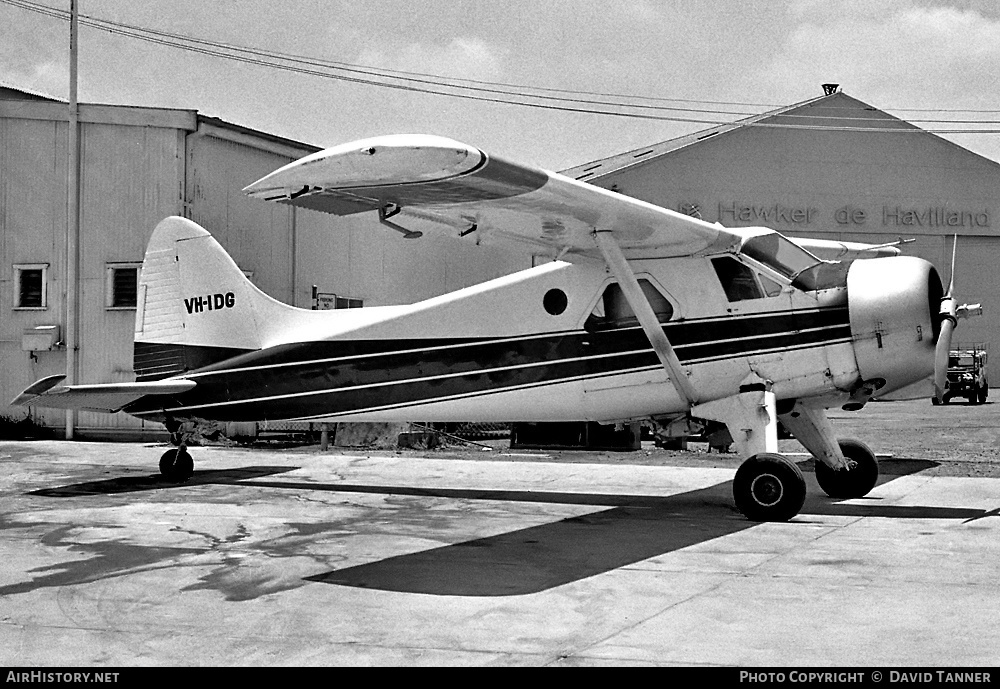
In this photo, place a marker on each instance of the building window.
(324, 301)
(31, 285)
(122, 285)
(349, 303)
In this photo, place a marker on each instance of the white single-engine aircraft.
(644, 314)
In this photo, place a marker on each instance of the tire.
(769, 488)
(176, 465)
(984, 392)
(856, 482)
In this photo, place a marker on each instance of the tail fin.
(195, 305)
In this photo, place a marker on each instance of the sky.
(916, 59)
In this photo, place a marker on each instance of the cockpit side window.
(771, 288)
(613, 310)
(737, 280)
(779, 253)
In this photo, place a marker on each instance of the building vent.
(830, 89)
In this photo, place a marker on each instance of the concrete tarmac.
(297, 557)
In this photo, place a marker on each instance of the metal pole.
(73, 221)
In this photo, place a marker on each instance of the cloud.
(893, 53)
(461, 57)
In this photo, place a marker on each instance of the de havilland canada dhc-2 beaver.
(644, 314)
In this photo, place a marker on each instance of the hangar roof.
(822, 112)
(16, 102)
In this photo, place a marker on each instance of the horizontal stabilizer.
(102, 397)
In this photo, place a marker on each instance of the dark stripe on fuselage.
(155, 361)
(330, 377)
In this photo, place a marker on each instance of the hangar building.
(139, 165)
(831, 167)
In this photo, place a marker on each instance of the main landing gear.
(770, 487)
(854, 482)
(176, 464)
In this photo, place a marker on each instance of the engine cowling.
(893, 304)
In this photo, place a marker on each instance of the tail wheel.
(177, 465)
(855, 482)
(769, 488)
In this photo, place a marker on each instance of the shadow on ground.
(631, 529)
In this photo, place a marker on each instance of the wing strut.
(644, 312)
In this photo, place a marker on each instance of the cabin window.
(122, 285)
(555, 302)
(771, 287)
(31, 286)
(613, 310)
(737, 280)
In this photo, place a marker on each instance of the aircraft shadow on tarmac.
(133, 484)
(633, 528)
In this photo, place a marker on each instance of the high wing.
(418, 183)
(103, 397)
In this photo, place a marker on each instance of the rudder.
(194, 304)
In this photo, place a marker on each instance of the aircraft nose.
(893, 304)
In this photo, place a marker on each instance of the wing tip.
(36, 389)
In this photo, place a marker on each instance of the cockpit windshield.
(806, 271)
(780, 253)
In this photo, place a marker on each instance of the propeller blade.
(941, 352)
(948, 322)
(951, 282)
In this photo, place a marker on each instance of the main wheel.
(769, 488)
(177, 465)
(855, 482)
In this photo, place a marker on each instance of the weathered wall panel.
(32, 230)
(258, 235)
(356, 256)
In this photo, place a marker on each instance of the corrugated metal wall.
(141, 165)
(129, 181)
(355, 256)
(137, 168)
(32, 230)
(258, 235)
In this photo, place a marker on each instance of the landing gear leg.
(176, 464)
(855, 481)
(769, 488)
